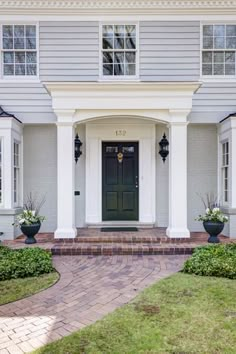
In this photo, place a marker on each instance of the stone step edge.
(126, 240)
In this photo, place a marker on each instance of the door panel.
(120, 181)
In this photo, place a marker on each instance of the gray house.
(117, 75)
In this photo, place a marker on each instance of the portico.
(122, 112)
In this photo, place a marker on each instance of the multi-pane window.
(119, 50)
(0, 172)
(19, 49)
(225, 171)
(218, 50)
(16, 172)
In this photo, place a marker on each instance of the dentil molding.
(137, 6)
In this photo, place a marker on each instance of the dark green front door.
(120, 181)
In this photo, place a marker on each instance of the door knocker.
(120, 157)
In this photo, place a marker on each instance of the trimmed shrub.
(25, 262)
(213, 260)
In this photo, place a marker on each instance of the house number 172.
(120, 132)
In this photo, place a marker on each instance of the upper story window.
(219, 50)
(19, 50)
(119, 51)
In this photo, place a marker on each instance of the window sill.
(218, 79)
(119, 80)
(20, 79)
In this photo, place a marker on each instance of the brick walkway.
(89, 288)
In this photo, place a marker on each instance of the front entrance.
(120, 181)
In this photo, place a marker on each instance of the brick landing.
(94, 242)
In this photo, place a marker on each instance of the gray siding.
(202, 169)
(213, 102)
(30, 102)
(40, 169)
(169, 51)
(69, 51)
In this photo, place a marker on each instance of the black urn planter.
(213, 229)
(30, 231)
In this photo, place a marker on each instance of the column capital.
(174, 124)
(65, 124)
(65, 115)
(179, 115)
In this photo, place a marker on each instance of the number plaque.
(120, 132)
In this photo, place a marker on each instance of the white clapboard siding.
(69, 51)
(213, 102)
(30, 102)
(174, 50)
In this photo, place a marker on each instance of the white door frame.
(140, 131)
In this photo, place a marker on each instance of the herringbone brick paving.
(89, 288)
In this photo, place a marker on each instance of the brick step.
(108, 249)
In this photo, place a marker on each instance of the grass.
(181, 314)
(16, 289)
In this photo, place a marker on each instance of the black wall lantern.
(164, 147)
(78, 145)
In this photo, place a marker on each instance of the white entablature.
(92, 100)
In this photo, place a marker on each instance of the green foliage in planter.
(213, 260)
(22, 263)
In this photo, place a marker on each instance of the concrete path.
(89, 288)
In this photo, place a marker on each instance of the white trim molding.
(121, 6)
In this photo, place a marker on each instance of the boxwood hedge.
(22, 263)
(217, 260)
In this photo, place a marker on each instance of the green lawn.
(15, 289)
(181, 314)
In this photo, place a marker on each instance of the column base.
(177, 232)
(65, 233)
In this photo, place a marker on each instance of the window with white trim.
(0, 171)
(119, 50)
(225, 172)
(19, 50)
(16, 172)
(219, 50)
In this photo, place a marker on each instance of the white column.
(65, 178)
(178, 178)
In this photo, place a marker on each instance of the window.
(119, 51)
(218, 50)
(225, 171)
(16, 167)
(19, 51)
(0, 172)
